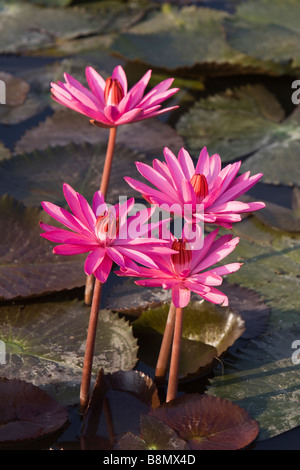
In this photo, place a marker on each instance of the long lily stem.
(90, 280)
(95, 292)
(90, 346)
(166, 345)
(175, 356)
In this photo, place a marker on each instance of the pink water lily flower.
(109, 103)
(108, 234)
(202, 192)
(189, 270)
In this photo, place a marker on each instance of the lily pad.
(208, 422)
(262, 377)
(175, 38)
(279, 217)
(255, 24)
(38, 98)
(39, 176)
(208, 331)
(45, 345)
(62, 129)
(27, 27)
(127, 298)
(264, 380)
(154, 435)
(271, 268)
(16, 89)
(233, 124)
(27, 265)
(27, 412)
(21, 101)
(272, 162)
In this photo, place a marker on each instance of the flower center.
(199, 183)
(181, 260)
(107, 227)
(113, 91)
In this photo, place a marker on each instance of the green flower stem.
(175, 356)
(165, 349)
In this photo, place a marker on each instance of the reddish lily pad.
(155, 435)
(27, 412)
(208, 422)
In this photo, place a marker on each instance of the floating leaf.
(27, 265)
(127, 298)
(208, 330)
(279, 217)
(45, 345)
(25, 27)
(21, 102)
(272, 162)
(62, 129)
(27, 412)
(250, 307)
(16, 89)
(155, 435)
(208, 423)
(39, 176)
(233, 124)
(264, 380)
(174, 38)
(262, 377)
(38, 98)
(255, 25)
(271, 268)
